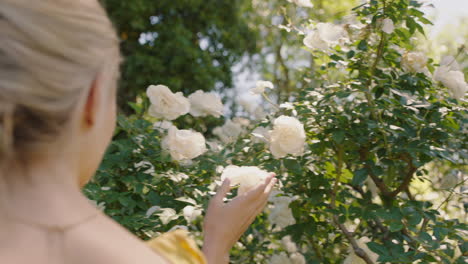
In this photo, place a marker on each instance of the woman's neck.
(44, 194)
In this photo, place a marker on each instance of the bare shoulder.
(104, 241)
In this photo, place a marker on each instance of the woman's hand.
(226, 222)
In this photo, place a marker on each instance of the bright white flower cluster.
(248, 177)
(280, 213)
(352, 258)
(184, 145)
(450, 76)
(191, 213)
(282, 258)
(294, 256)
(205, 104)
(261, 86)
(165, 104)
(168, 105)
(229, 132)
(388, 26)
(287, 137)
(324, 35)
(414, 62)
(302, 3)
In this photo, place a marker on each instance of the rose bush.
(370, 151)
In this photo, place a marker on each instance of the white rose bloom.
(229, 132)
(303, 3)
(204, 104)
(324, 35)
(331, 33)
(455, 82)
(388, 26)
(261, 86)
(414, 62)
(352, 258)
(288, 244)
(248, 104)
(280, 258)
(191, 213)
(313, 41)
(447, 63)
(248, 177)
(165, 104)
(184, 144)
(281, 215)
(162, 125)
(287, 137)
(167, 215)
(297, 258)
(241, 121)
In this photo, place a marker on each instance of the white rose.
(331, 33)
(414, 62)
(455, 82)
(313, 41)
(261, 86)
(303, 3)
(388, 26)
(167, 215)
(191, 213)
(352, 258)
(248, 104)
(162, 125)
(297, 258)
(280, 258)
(280, 213)
(288, 244)
(248, 177)
(165, 104)
(447, 63)
(204, 104)
(184, 144)
(287, 137)
(229, 132)
(324, 35)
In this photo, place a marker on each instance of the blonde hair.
(50, 52)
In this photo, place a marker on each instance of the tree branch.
(357, 250)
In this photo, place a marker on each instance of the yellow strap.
(178, 248)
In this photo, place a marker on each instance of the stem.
(271, 102)
(357, 250)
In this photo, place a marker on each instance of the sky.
(446, 12)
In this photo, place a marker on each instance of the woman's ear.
(90, 108)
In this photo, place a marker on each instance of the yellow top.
(177, 247)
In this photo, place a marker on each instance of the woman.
(58, 72)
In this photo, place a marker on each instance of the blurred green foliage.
(185, 44)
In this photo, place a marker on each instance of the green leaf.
(360, 176)
(396, 226)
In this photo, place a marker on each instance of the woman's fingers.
(223, 190)
(255, 193)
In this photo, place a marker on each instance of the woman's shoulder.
(104, 241)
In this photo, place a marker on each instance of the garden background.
(361, 114)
